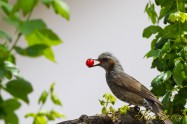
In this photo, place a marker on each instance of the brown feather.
(132, 85)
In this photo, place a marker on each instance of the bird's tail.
(159, 112)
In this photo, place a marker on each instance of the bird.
(127, 88)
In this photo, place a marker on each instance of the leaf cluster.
(169, 52)
(39, 39)
(12, 83)
(108, 103)
(43, 116)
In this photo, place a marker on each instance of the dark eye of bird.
(105, 59)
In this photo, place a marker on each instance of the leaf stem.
(41, 106)
(16, 41)
(177, 3)
(29, 15)
(19, 34)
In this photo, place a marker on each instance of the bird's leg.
(147, 105)
(137, 108)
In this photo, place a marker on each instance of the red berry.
(90, 62)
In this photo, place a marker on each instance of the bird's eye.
(105, 59)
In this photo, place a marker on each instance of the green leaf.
(102, 102)
(184, 112)
(179, 102)
(111, 109)
(184, 120)
(8, 70)
(124, 109)
(43, 97)
(47, 2)
(2, 109)
(61, 8)
(25, 5)
(159, 90)
(6, 7)
(48, 53)
(11, 118)
(157, 80)
(52, 87)
(27, 27)
(183, 92)
(153, 53)
(166, 75)
(11, 105)
(32, 51)
(150, 9)
(30, 115)
(164, 10)
(163, 2)
(153, 42)
(42, 112)
(166, 47)
(40, 119)
(19, 88)
(166, 99)
(150, 30)
(43, 36)
(56, 114)
(5, 35)
(5, 53)
(106, 96)
(13, 20)
(177, 72)
(52, 115)
(49, 116)
(104, 110)
(178, 16)
(170, 31)
(55, 99)
(158, 86)
(11, 67)
(161, 42)
(110, 98)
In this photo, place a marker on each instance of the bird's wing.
(132, 85)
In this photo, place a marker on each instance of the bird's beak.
(97, 62)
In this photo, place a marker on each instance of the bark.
(133, 116)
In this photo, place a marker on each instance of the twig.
(16, 41)
(19, 34)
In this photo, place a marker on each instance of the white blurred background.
(95, 26)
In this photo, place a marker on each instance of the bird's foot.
(147, 105)
(137, 108)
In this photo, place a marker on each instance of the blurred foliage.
(40, 40)
(43, 116)
(169, 53)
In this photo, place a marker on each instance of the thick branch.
(133, 116)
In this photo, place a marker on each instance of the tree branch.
(129, 118)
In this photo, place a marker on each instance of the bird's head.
(108, 62)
